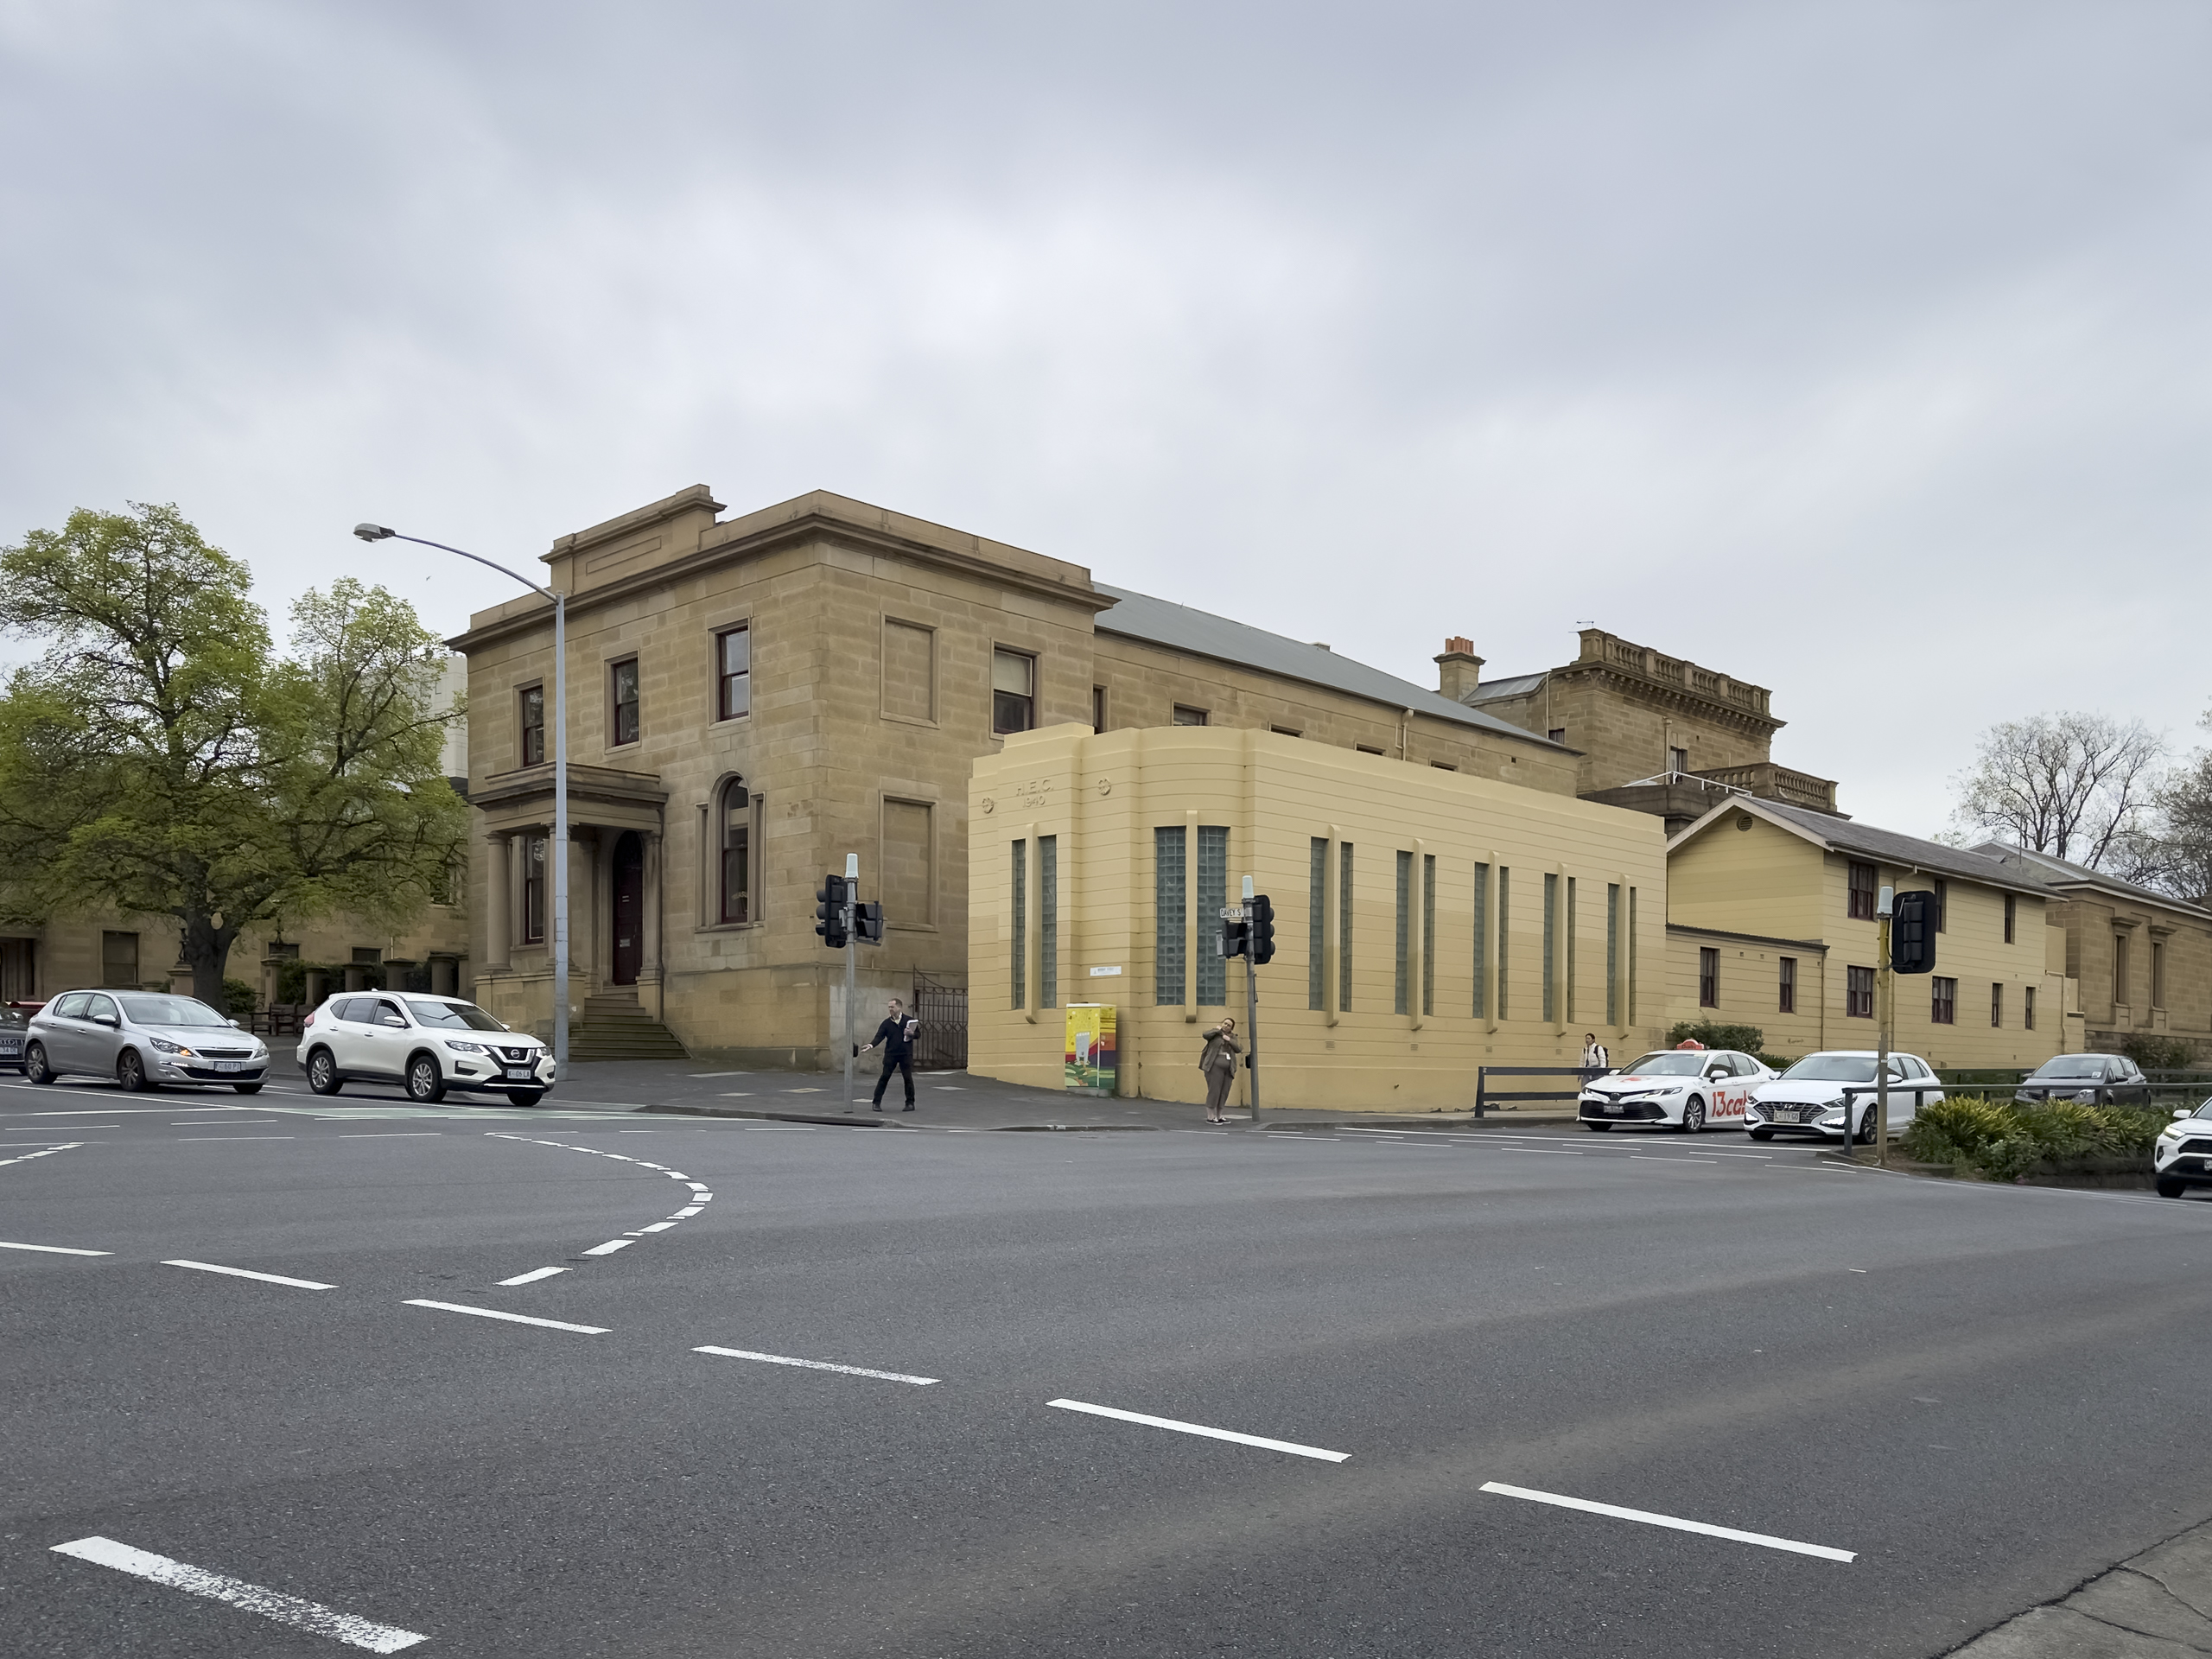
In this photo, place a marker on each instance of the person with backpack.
(1218, 1062)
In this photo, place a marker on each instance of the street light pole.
(560, 872)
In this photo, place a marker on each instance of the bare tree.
(2178, 843)
(2077, 786)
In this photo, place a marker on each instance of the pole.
(1251, 1006)
(852, 965)
(561, 838)
(1882, 997)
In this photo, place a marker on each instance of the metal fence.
(1485, 1096)
(941, 1042)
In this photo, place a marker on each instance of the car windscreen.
(451, 1016)
(141, 1008)
(1670, 1064)
(1832, 1068)
(2073, 1066)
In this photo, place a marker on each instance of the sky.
(1861, 351)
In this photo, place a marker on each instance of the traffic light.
(1912, 933)
(1232, 938)
(830, 911)
(867, 922)
(1260, 912)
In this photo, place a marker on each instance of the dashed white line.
(1290, 1446)
(1675, 1521)
(817, 1365)
(390, 1134)
(237, 1137)
(54, 1250)
(511, 1318)
(301, 1615)
(248, 1273)
(533, 1276)
(43, 1152)
(610, 1247)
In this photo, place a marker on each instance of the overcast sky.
(1859, 349)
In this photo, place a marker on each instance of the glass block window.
(1167, 875)
(1048, 921)
(1570, 950)
(1428, 933)
(1632, 956)
(1344, 926)
(1482, 939)
(1551, 947)
(1020, 923)
(1213, 893)
(1505, 936)
(1317, 922)
(1401, 963)
(1613, 953)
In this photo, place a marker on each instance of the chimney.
(1458, 671)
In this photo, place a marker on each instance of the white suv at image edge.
(427, 1044)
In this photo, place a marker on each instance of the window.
(2028, 1006)
(1858, 993)
(1285, 731)
(1098, 708)
(1943, 1000)
(1504, 936)
(733, 673)
(733, 820)
(1443, 765)
(1788, 1001)
(1558, 734)
(119, 960)
(1708, 977)
(2012, 903)
(1942, 906)
(533, 726)
(2119, 968)
(1185, 715)
(1020, 923)
(1613, 953)
(1014, 691)
(1167, 868)
(1482, 940)
(1860, 907)
(1366, 748)
(1401, 960)
(1997, 1006)
(624, 676)
(909, 860)
(1048, 921)
(1570, 950)
(1678, 759)
(1344, 926)
(1213, 893)
(533, 890)
(1551, 947)
(1317, 921)
(1632, 956)
(1428, 933)
(2158, 973)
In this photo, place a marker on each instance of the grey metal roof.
(1514, 685)
(1201, 633)
(2063, 872)
(1844, 835)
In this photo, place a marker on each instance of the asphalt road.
(1983, 1396)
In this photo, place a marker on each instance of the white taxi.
(1687, 1088)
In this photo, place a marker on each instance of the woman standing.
(1219, 1064)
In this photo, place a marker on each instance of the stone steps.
(615, 1028)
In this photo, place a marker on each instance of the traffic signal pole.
(852, 967)
(1251, 1009)
(1884, 998)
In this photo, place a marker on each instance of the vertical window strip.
(1048, 921)
(1428, 933)
(1316, 924)
(1167, 855)
(1504, 937)
(1213, 893)
(1401, 963)
(1482, 938)
(1020, 923)
(1570, 950)
(1613, 953)
(1343, 928)
(1551, 947)
(1632, 956)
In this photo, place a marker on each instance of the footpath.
(2156, 1605)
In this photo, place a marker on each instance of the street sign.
(1232, 913)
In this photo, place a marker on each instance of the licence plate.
(1614, 1108)
(519, 1072)
(11, 1048)
(230, 1065)
(1785, 1113)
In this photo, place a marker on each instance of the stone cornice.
(1663, 694)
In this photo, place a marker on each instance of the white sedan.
(1682, 1088)
(1823, 1091)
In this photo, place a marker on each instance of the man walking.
(895, 1036)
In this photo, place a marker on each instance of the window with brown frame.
(622, 689)
(532, 725)
(1858, 993)
(1678, 759)
(1185, 715)
(1943, 1000)
(1558, 734)
(2028, 1007)
(2011, 906)
(1997, 1005)
(1014, 691)
(1861, 892)
(1943, 906)
(734, 829)
(1098, 708)
(1788, 1001)
(1708, 978)
(734, 672)
(533, 890)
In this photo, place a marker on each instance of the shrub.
(240, 999)
(2000, 1140)
(2156, 1053)
(1749, 1039)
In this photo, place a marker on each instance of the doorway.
(629, 907)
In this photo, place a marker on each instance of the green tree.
(156, 760)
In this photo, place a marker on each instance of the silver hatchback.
(143, 1040)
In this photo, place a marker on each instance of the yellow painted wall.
(1750, 989)
(1101, 798)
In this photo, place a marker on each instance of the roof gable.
(1852, 838)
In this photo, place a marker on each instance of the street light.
(380, 533)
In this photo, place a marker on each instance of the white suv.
(430, 1044)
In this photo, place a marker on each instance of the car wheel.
(1692, 1115)
(34, 1065)
(2170, 1188)
(1762, 1135)
(525, 1096)
(424, 1085)
(247, 1088)
(1595, 1123)
(322, 1073)
(1866, 1136)
(131, 1072)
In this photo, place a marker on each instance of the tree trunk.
(207, 950)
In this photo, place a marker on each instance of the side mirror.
(2181, 1112)
(109, 1021)
(234, 1025)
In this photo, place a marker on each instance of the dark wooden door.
(629, 907)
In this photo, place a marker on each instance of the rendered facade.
(1427, 923)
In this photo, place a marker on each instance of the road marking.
(41, 1128)
(1662, 1158)
(1290, 1446)
(390, 1134)
(55, 1249)
(1680, 1525)
(44, 1152)
(533, 1276)
(736, 1094)
(237, 1137)
(309, 1616)
(511, 1318)
(663, 1226)
(686, 1213)
(817, 1365)
(610, 1247)
(248, 1273)
(717, 1074)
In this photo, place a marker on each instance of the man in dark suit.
(895, 1037)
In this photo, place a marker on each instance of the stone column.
(498, 931)
(583, 904)
(649, 903)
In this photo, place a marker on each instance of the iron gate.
(942, 1044)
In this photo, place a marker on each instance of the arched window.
(734, 819)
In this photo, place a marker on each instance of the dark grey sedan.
(2092, 1079)
(143, 1040)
